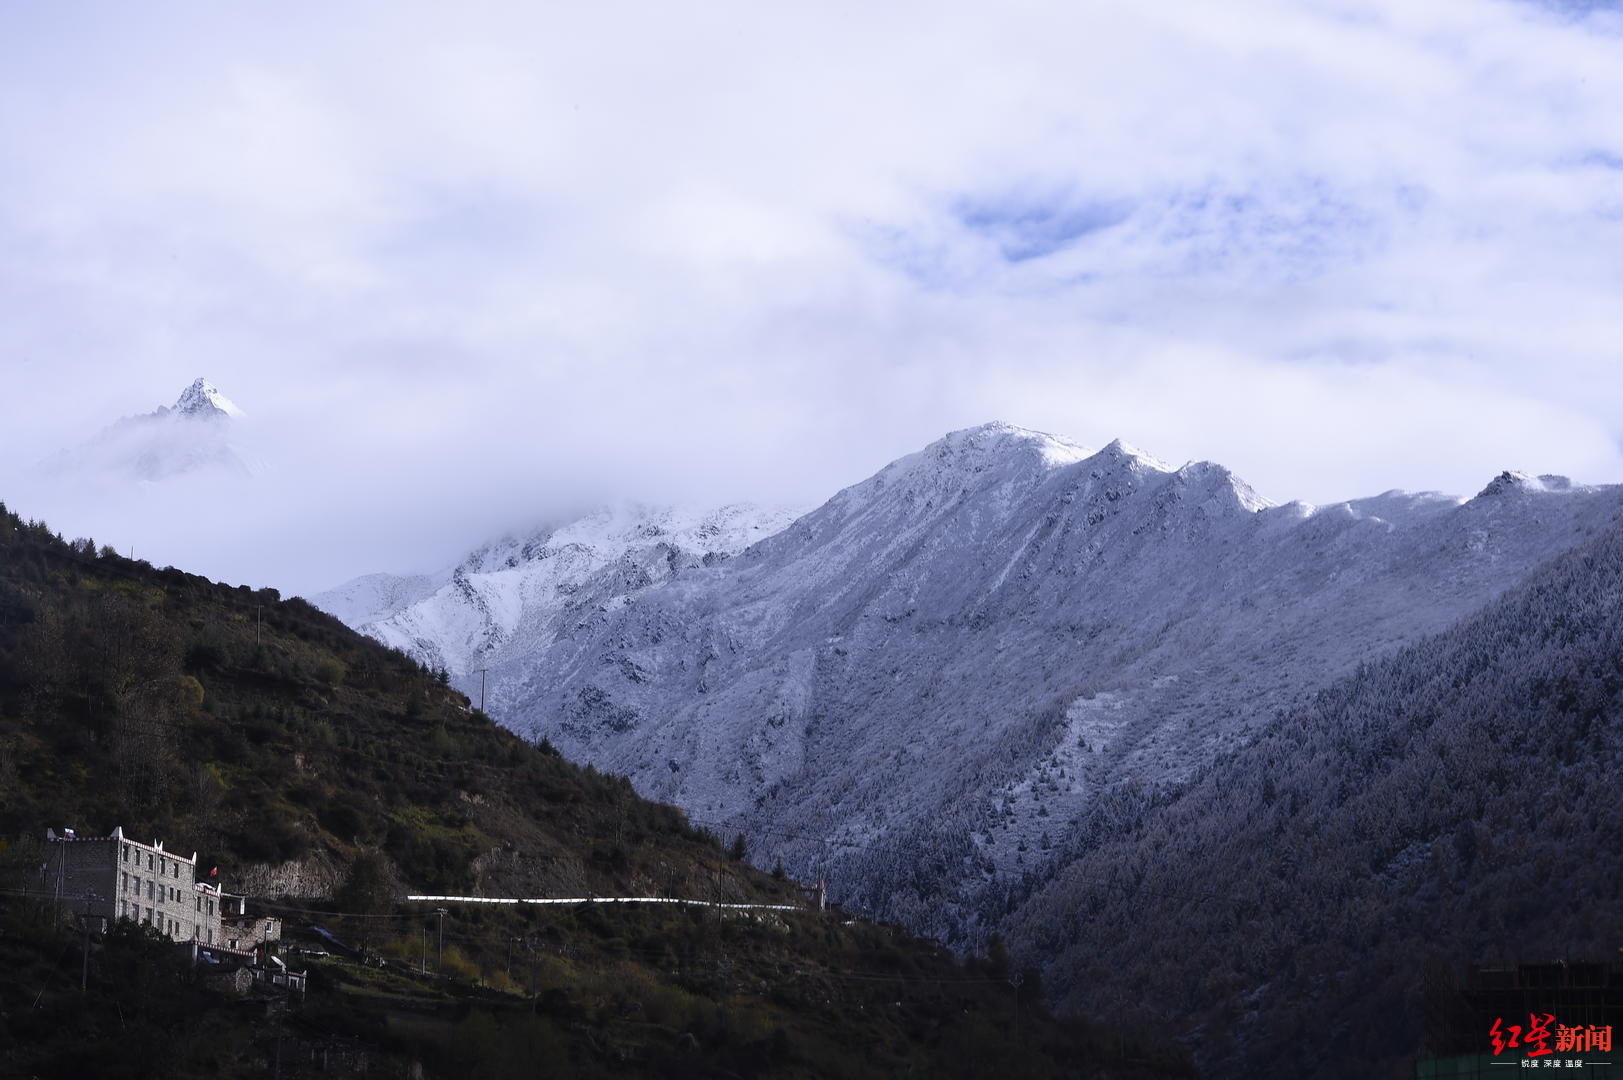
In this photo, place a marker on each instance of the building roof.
(118, 834)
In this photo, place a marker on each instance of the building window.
(126, 886)
(199, 900)
(126, 854)
(151, 860)
(211, 907)
(151, 890)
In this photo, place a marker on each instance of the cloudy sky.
(465, 265)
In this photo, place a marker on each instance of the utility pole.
(61, 853)
(716, 897)
(257, 609)
(424, 965)
(482, 688)
(535, 991)
(439, 956)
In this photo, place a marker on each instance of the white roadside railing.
(597, 900)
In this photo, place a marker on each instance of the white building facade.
(115, 877)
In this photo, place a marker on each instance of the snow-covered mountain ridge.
(519, 591)
(947, 664)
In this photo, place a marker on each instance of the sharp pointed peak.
(1120, 450)
(1215, 478)
(203, 398)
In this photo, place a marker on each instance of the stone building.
(239, 930)
(114, 877)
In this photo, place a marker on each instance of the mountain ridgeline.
(946, 671)
(983, 690)
(316, 769)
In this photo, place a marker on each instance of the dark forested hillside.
(281, 744)
(325, 775)
(1457, 803)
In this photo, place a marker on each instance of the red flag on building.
(214, 871)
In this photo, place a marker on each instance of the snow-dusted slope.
(512, 597)
(373, 598)
(944, 664)
(194, 436)
(918, 686)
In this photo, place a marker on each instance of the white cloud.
(466, 267)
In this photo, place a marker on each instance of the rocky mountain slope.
(923, 687)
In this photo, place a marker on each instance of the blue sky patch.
(1026, 227)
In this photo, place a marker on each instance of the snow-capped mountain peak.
(1216, 481)
(192, 437)
(203, 399)
(979, 458)
(527, 588)
(1120, 451)
(1511, 481)
(1001, 440)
